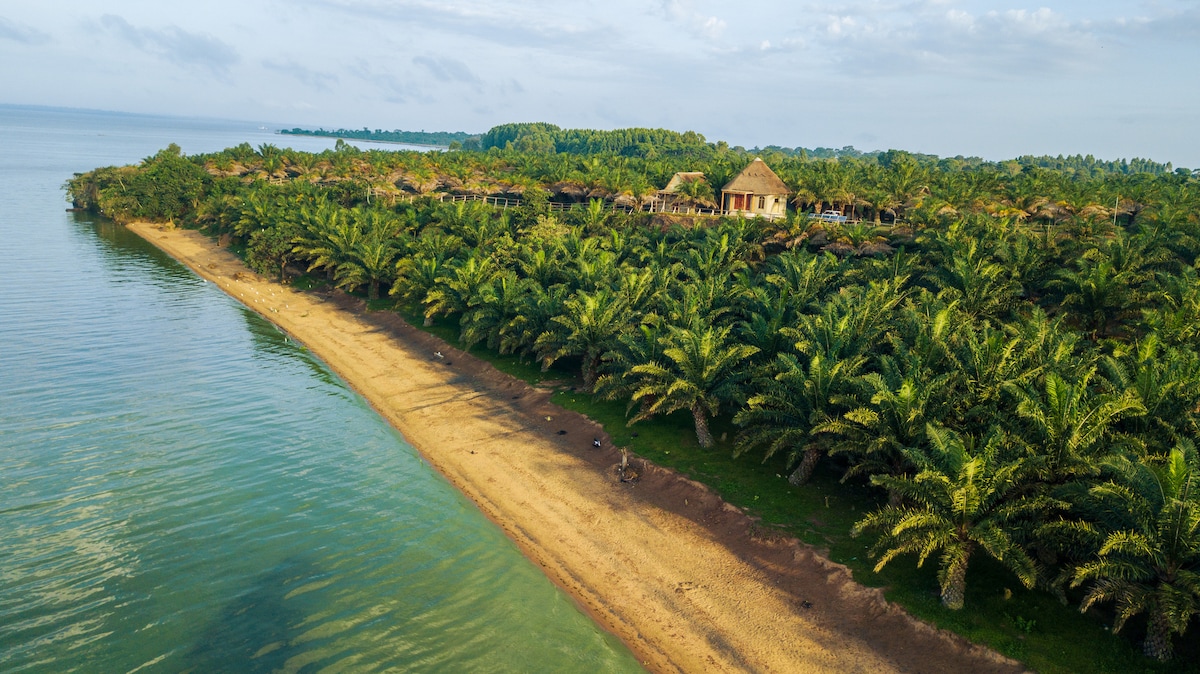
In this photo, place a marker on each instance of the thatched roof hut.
(686, 191)
(679, 179)
(756, 191)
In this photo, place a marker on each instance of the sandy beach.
(677, 574)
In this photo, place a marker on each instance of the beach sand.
(680, 576)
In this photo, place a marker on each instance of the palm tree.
(500, 303)
(1175, 316)
(1149, 561)
(589, 327)
(370, 262)
(458, 289)
(1068, 423)
(259, 211)
(1167, 382)
(1097, 293)
(960, 501)
(788, 406)
(370, 255)
(801, 276)
(640, 346)
(703, 372)
(981, 287)
(327, 234)
(535, 317)
(698, 193)
(218, 213)
(895, 406)
(989, 360)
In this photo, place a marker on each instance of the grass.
(1031, 626)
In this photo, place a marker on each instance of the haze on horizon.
(949, 77)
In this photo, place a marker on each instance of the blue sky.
(993, 79)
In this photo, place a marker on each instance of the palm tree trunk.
(1158, 638)
(591, 368)
(803, 472)
(373, 290)
(955, 591)
(702, 432)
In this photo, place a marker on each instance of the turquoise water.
(184, 489)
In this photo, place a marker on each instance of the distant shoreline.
(281, 132)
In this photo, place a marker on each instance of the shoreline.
(431, 146)
(681, 577)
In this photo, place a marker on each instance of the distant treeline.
(545, 138)
(455, 139)
(1075, 164)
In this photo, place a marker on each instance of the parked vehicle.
(830, 216)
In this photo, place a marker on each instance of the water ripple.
(186, 490)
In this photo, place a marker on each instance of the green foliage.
(963, 498)
(167, 186)
(1149, 561)
(1059, 306)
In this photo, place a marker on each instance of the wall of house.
(774, 205)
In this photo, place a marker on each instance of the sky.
(948, 77)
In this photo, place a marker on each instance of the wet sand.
(686, 580)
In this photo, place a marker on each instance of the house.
(685, 191)
(754, 192)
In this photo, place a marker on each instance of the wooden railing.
(652, 207)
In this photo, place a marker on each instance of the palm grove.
(1012, 361)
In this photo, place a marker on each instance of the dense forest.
(1004, 356)
(543, 137)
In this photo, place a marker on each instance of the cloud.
(389, 87)
(11, 30)
(1181, 26)
(315, 79)
(512, 23)
(938, 37)
(192, 50)
(684, 12)
(447, 69)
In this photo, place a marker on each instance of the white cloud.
(447, 69)
(20, 33)
(174, 44)
(317, 80)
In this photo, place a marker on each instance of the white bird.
(438, 354)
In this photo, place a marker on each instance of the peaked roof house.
(754, 192)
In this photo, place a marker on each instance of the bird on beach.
(595, 442)
(438, 354)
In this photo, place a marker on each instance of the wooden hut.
(755, 192)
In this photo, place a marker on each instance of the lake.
(186, 489)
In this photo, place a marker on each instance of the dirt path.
(665, 565)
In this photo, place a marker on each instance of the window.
(762, 203)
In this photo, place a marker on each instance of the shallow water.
(185, 489)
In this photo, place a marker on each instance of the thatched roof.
(681, 178)
(757, 178)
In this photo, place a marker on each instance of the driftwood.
(626, 472)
